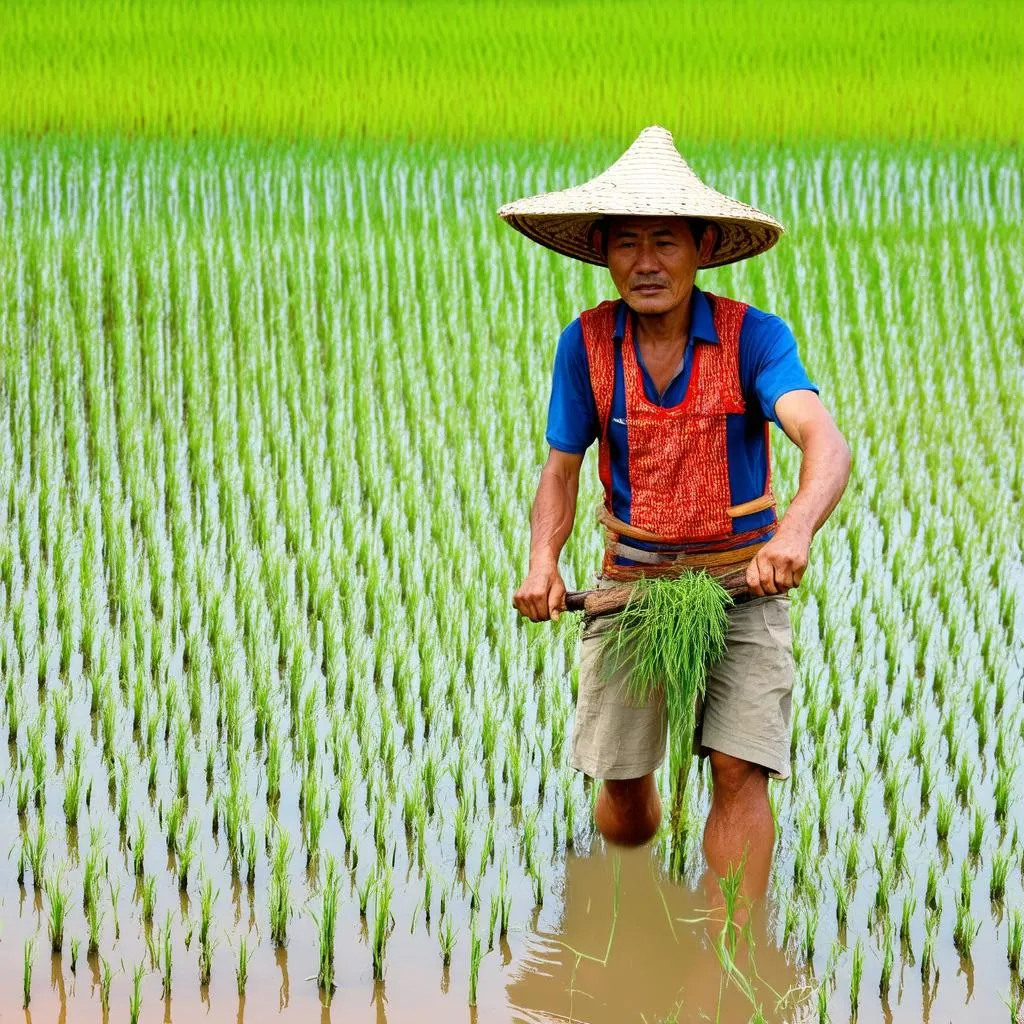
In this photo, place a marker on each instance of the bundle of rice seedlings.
(670, 632)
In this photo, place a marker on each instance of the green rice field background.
(273, 401)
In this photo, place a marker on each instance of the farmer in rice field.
(677, 385)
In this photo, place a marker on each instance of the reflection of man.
(678, 385)
(659, 958)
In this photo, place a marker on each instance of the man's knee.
(627, 792)
(628, 810)
(734, 779)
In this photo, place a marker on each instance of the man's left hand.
(780, 564)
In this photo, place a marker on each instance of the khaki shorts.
(745, 711)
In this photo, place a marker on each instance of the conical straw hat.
(650, 179)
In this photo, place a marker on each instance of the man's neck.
(663, 332)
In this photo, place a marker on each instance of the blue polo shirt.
(769, 366)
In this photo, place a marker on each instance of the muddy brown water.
(657, 959)
(577, 961)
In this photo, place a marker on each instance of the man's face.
(653, 260)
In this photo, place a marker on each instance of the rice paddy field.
(273, 385)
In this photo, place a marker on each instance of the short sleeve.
(572, 414)
(769, 361)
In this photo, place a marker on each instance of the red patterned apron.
(678, 456)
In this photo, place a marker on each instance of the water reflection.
(658, 963)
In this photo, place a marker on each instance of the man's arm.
(554, 511)
(824, 471)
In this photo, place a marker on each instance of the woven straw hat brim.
(650, 179)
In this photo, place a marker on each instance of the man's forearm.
(824, 472)
(551, 521)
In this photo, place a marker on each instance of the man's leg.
(740, 822)
(745, 729)
(612, 736)
(628, 811)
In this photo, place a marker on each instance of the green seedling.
(139, 847)
(446, 936)
(977, 833)
(1015, 940)
(885, 978)
(242, 967)
(382, 923)
(280, 900)
(944, 818)
(1000, 872)
(856, 972)
(57, 897)
(907, 912)
(326, 924)
(148, 898)
(475, 956)
(26, 977)
(168, 956)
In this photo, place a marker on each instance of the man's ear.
(709, 241)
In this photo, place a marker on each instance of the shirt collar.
(702, 322)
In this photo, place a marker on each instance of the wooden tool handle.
(613, 599)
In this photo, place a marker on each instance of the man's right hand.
(541, 595)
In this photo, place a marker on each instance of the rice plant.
(475, 956)
(242, 967)
(966, 927)
(167, 957)
(1000, 871)
(382, 921)
(1002, 792)
(206, 898)
(462, 830)
(446, 937)
(504, 899)
(885, 978)
(148, 898)
(1015, 940)
(106, 977)
(928, 949)
(906, 916)
(135, 997)
(977, 833)
(363, 892)
(34, 849)
(326, 922)
(944, 818)
(57, 898)
(26, 975)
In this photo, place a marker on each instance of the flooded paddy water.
(272, 425)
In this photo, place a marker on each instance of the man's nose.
(646, 258)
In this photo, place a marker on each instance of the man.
(678, 387)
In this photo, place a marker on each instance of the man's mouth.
(648, 287)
